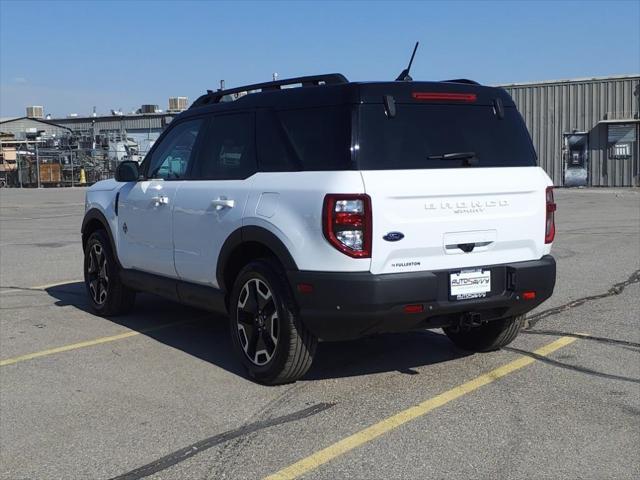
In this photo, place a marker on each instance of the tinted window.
(316, 138)
(171, 158)
(228, 150)
(417, 132)
(275, 151)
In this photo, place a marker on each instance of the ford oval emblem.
(393, 236)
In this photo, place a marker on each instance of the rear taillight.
(550, 223)
(346, 220)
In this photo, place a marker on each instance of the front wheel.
(267, 333)
(490, 336)
(107, 295)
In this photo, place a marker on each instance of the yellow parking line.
(41, 287)
(89, 343)
(374, 431)
(57, 284)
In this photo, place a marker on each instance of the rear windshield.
(417, 132)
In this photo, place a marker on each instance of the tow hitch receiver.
(470, 320)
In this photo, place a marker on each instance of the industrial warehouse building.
(586, 131)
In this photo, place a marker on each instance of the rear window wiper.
(470, 157)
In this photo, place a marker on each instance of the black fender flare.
(252, 233)
(93, 215)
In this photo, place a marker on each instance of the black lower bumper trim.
(345, 305)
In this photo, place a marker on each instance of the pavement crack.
(195, 448)
(575, 368)
(616, 289)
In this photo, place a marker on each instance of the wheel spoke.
(245, 318)
(257, 321)
(254, 295)
(92, 263)
(103, 271)
(93, 286)
(267, 341)
(269, 308)
(252, 343)
(102, 291)
(263, 294)
(251, 301)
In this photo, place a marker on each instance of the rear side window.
(417, 132)
(275, 151)
(228, 150)
(309, 139)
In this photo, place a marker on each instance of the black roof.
(335, 89)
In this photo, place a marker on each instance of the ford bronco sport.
(331, 211)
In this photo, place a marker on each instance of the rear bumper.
(345, 305)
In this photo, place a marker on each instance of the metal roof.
(47, 122)
(570, 80)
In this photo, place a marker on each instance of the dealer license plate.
(470, 284)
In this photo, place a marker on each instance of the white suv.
(332, 211)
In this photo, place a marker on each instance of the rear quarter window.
(310, 139)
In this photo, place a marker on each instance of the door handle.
(222, 202)
(160, 200)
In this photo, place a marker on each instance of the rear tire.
(107, 295)
(490, 336)
(266, 331)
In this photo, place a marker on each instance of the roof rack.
(461, 80)
(216, 97)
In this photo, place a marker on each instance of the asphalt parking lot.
(157, 394)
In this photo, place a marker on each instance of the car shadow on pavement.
(205, 335)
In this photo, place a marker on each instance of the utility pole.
(71, 159)
(18, 167)
(37, 164)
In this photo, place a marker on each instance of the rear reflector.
(529, 295)
(448, 96)
(305, 288)
(413, 308)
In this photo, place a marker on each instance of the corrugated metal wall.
(551, 109)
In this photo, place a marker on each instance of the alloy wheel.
(97, 274)
(257, 321)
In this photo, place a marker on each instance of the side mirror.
(128, 171)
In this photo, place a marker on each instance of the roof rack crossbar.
(326, 79)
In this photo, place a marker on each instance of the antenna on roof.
(404, 75)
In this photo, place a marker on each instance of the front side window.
(171, 159)
(228, 152)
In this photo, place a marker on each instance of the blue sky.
(70, 56)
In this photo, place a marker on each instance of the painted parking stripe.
(40, 287)
(391, 423)
(57, 284)
(90, 343)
